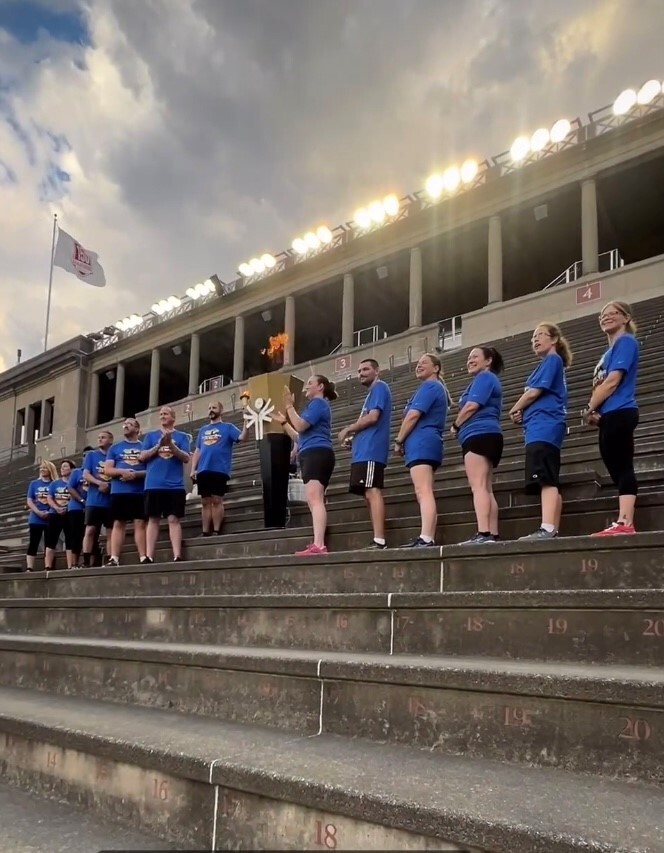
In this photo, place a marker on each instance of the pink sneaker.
(618, 528)
(312, 551)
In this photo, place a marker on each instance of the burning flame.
(276, 347)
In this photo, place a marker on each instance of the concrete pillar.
(30, 426)
(155, 370)
(289, 329)
(348, 312)
(495, 261)
(238, 350)
(589, 230)
(118, 407)
(194, 363)
(45, 406)
(93, 400)
(415, 288)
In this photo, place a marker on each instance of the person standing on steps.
(369, 438)
(420, 442)
(58, 501)
(613, 408)
(127, 473)
(477, 427)
(37, 501)
(211, 466)
(542, 410)
(313, 432)
(98, 502)
(165, 453)
(75, 518)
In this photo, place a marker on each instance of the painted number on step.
(342, 621)
(398, 572)
(518, 717)
(517, 569)
(476, 623)
(588, 566)
(653, 628)
(51, 759)
(326, 835)
(159, 789)
(635, 728)
(557, 626)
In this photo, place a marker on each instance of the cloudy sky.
(177, 138)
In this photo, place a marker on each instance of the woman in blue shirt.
(313, 432)
(542, 409)
(58, 501)
(477, 426)
(37, 501)
(420, 442)
(613, 408)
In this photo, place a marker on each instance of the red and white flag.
(71, 256)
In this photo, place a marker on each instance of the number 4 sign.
(588, 292)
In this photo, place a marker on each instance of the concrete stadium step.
(535, 713)
(214, 785)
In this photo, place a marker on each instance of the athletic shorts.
(434, 464)
(489, 445)
(212, 483)
(542, 466)
(74, 530)
(98, 516)
(128, 507)
(161, 503)
(317, 464)
(366, 475)
(54, 527)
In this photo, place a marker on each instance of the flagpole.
(50, 282)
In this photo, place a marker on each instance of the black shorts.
(212, 483)
(433, 464)
(36, 532)
(98, 516)
(317, 464)
(74, 530)
(489, 445)
(542, 466)
(54, 527)
(366, 475)
(128, 507)
(162, 503)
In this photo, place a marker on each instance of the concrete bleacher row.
(496, 698)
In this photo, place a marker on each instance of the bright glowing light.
(391, 205)
(246, 270)
(155, 308)
(299, 246)
(540, 139)
(377, 211)
(434, 186)
(451, 179)
(192, 293)
(269, 261)
(362, 217)
(624, 102)
(648, 92)
(257, 265)
(312, 240)
(560, 130)
(469, 171)
(208, 284)
(324, 235)
(173, 302)
(520, 148)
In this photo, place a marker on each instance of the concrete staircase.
(496, 698)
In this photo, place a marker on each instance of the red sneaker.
(618, 528)
(312, 551)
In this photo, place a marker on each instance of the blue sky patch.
(7, 175)
(26, 20)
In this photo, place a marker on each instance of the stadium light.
(299, 246)
(324, 235)
(201, 289)
(539, 140)
(469, 171)
(376, 212)
(560, 130)
(391, 205)
(434, 186)
(311, 240)
(624, 102)
(269, 261)
(451, 179)
(129, 323)
(520, 148)
(648, 92)
(245, 270)
(362, 217)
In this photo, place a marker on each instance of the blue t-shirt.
(38, 494)
(77, 483)
(164, 471)
(485, 390)
(546, 418)
(425, 441)
(124, 455)
(214, 443)
(94, 464)
(623, 356)
(319, 417)
(59, 492)
(373, 443)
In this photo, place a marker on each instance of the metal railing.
(369, 335)
(607, 261)
(450, 333)
(215, 383)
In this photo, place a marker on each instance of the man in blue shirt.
(127, 473)
(369, 438)
(98, 502)
(211, 466)
(75, 525)
(165, 453)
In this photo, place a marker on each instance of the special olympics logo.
(81, 260)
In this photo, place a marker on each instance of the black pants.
(74, 531)
(616, 445)
(274, 454)
(36, 533)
